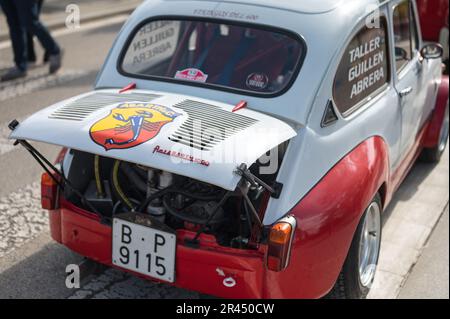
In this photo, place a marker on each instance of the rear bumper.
(196, 269)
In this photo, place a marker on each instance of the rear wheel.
(358, 273)
(433, 155)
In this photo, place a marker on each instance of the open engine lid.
(197, 138)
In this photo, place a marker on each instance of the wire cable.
(98, 180)
(117, 185)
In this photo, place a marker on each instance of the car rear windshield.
(254, 60)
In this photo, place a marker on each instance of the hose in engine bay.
(117, 187)
(98, 180)
(134, 177)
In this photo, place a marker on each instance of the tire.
(433, 155)
(350, 283)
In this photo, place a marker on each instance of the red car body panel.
(196, 269)
(327, 219)
(326, 222)
(432, 138)
(433, 18)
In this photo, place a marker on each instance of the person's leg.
(29, 17)
(40, 2)
(30, 47)
(46, 54)
(17, 33)
(31, 52)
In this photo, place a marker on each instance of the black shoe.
(46, 57)
(13, 74)
(32, 64)
(55, 61)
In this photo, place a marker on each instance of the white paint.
(229, 282)
(244, 146)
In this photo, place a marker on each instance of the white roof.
(301, 6)
(99, 122)
(324, 25)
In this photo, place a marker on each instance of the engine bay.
(116, 187)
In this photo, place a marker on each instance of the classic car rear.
(245, 149)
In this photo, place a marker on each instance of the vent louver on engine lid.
(207, 125)
(197, 138)
(81, 108)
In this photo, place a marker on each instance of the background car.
(434, 23)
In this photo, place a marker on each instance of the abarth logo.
(130, 125)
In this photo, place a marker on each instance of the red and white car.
(255, 149)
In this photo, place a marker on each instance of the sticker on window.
(191, 74)
(257, 81)
(154, 43)
(364, 68)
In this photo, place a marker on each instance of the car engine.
(114, 187)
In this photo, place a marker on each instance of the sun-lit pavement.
(32, 266)
(408, 223)
(430, 276)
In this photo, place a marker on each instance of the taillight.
(61, 155)
(48, 192)
(280, 241)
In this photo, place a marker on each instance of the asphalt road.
(31, 264)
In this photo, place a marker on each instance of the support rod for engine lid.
(50, 169)
(243, 171)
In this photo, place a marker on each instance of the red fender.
(327, 218)
(434, 129)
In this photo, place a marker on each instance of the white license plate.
(144, 250)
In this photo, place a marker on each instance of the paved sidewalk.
(430, 277)
(54, 12)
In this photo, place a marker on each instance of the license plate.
(144, 250)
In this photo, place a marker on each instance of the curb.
(421, 250)
(56, 24)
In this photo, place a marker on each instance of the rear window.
(252, 60)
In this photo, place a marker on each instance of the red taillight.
(61, 155)
(280, 240)
(48, 192)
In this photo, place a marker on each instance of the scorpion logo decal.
(130, 125)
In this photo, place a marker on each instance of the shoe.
(13, 74)
(46, 57)
(32, 63)
(55, 61)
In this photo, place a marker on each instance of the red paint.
(61, 155)
(129, 87)
(327, 218)
(191, 74)
(55, 225)
(433, 133)
(196, 269)
(241, 105)
(180, 155)
(433, 18)
(326, 221)
(117, 130)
